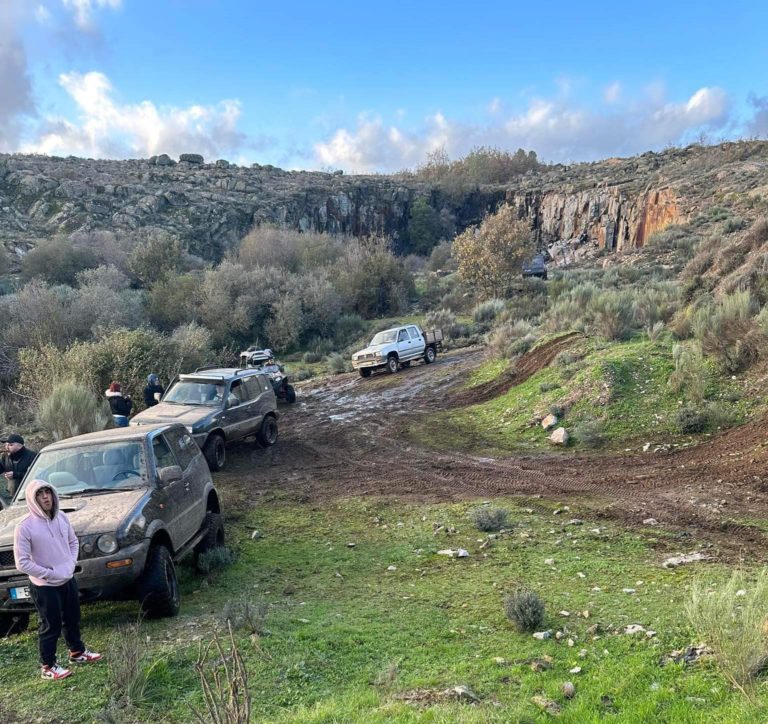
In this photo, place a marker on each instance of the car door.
(404, 345)
(186, 452)
(418, 340)
(238, 409)
(177, 503)
(260, 390)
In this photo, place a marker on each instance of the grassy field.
(623, 387)
(367, 623)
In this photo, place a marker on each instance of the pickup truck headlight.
(107, 543)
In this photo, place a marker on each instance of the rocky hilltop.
(616, 204)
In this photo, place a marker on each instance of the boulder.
(549, 422)
(559, 436)
(164, 160)
(222, 163)
(194, 158)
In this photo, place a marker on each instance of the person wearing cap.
(121, 405)
(15, 462)
(153, 391)
(45, 547)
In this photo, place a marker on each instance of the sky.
(376, 87)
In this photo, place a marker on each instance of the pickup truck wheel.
(268, 432)
(429, 355)
(290, 394)
(392, 364)
(214, 535)
(159, 590)
(215, 452)
(365, 371)
(13, 623)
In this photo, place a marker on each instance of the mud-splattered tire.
(290, 394)
(392, 364)
(214, 535)
(159, 589)
(215, 452)
(267, 435)
(365, 371)
(429, 355)
(13, 623)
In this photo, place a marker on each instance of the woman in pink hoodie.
(45, 548)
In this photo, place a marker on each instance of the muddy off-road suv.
(139, 500)
(218, 405)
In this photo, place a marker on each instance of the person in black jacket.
(15, 462)
(120, 405)
(153, 388)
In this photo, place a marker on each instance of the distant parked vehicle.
(218, 405)
(398, 347)
(264, 360)
(535, 267)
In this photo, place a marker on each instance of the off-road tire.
(365, 371)
(12, 624)
(214, 535)
(215, 452)
(392, 364)
(290, 394)
(159, 589)
(429, 355)
(267, 435)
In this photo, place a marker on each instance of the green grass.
(621, 385)
(349, 636)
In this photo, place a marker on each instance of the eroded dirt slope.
(342, 438)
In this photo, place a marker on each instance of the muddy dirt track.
(344, 437)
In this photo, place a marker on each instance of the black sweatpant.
(57, 605)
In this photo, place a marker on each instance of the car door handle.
(186, 486)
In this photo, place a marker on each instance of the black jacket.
(149, 394)
(18, 464)
(120, 405)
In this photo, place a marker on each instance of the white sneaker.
(54, 672)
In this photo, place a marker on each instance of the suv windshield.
(385, 337)
(92, 468)
(188, 392)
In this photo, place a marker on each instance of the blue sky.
(375, 86)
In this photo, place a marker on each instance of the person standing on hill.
(153, 391)
(14, 462)
(45, 547)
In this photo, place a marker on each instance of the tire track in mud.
(343, 439)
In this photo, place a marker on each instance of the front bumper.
(368, 363)
(94, 579)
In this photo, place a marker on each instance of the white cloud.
(494, 106)
(83, 10)
(557, 129)
(108, 129)
(16, 98)
(758, 125)
(612, 92)
(42, 15)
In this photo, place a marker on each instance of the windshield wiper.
(89, 491)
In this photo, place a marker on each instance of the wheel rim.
(220, 453)
(431, 354)
(392, 364)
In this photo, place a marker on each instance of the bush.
(548, 386)
(691, 420)
(336, 363)
(489, 519)
(691, 374)
(57, 260)
(129, 674)
(70, 409)
(758, 232)
(613, 314)
(348, 328)
(302, 374)
(246, 615)
(215, 559)
(511, 339)
(590, 434)
(443, 319)
(735, 223)
(731, 619)
(488, 311)
(525, 609)
(312, 357)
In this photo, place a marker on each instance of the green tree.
(425, 227)
(490, 256)
(57, 260)
(156, 257)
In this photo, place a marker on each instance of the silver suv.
(218, 405)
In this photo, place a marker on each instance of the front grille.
(6, 559)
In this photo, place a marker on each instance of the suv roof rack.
(206, 367)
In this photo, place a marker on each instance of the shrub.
(312, 357)
(70, 409)
(525, 609)
(336, 363)
(691, 374)
(246, 615)
(758, 232)
(57, 260)
(690, 420)
(590, 434)
(443, 319)
(489, 519)
(302, 374)
(129, 669)
(548, 386)
(735, 223)
(488, 311)
(348, 328)
(731, 619)
(505, 341)
(215, 559)
(613, 314)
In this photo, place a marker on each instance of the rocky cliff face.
(615, 204)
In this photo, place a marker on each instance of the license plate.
(20, 594)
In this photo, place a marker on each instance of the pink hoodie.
(45, 548)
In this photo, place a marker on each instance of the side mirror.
(169, 474)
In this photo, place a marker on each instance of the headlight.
(107, 543)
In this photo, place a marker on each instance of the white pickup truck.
(398, 347)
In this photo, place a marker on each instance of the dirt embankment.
(342, 439)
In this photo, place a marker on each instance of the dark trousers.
(57, 605)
